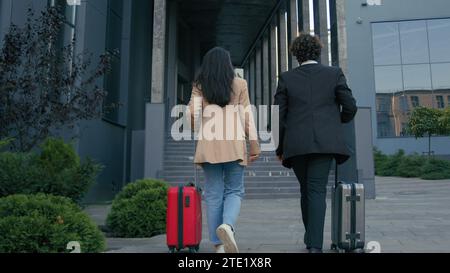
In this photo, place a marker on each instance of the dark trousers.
(312, 172)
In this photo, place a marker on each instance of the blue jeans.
(224, 190)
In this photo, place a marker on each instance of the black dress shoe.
(315, 250)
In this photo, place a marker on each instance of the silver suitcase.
(348, 216)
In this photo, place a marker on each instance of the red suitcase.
(184, 219)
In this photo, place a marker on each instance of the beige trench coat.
(223, 132)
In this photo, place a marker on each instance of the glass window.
(417, 77)
(439, 36)
(383, 104)
(412, 69)
(113, 46)
(440, 102)
(386, 43)
(388, 79)
(441, 75)
(415, 101)
(414, 42)
(404, 107)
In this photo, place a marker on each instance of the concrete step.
(274, 190)
(246, 178)
(189, 162)
(260, 172)
(184, 156)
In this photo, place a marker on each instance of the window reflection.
(439, 38)
(412, 69)
(417, 77)
(414, 43)
(441, 75)
(386, 43)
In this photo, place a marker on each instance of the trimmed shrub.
(18, 173)
(436, 169)
(55, 170)
(411, 166)
(414, 165)
(139, 211)
(379, 159)
(45, 224)
(389, 166)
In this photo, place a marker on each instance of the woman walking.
(219, 109)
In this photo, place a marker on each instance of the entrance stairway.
(265, 178)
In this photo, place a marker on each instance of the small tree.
(445, 121)
(44, 85)
(425, 122)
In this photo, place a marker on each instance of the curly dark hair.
(306, 47)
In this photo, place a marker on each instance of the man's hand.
(280, 158)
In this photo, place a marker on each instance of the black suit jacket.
(314, 101)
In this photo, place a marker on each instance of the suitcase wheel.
(172, 250)
(333, 247)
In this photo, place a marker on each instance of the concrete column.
(293, 30)
(321, 27)
(252, 81)
(342, 35)
(282, 41)
(305, 16)
(258, 87)
(172, 44)
(266, 70)
(273, 61)
(159, 45)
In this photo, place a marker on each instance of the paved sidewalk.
(409, 215)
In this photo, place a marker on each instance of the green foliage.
(139, 211)
(379, 159)
(402, 165)
(425, 122)
(435, 169)
(45, 224)
(444, 121)
(5, 142)
(56, 170)
(389, 166)
(410, 166)
(45, 85)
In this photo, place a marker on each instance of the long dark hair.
(215, 77)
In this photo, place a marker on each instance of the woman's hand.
(253, 158)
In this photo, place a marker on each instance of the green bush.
(410, 166)
(45, 224)
(55, 169)
(436, 169)
(139, 211)
(414, 165)
(389, 166)
(18, 173)
(379, 159)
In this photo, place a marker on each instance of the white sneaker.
(220, 249)
(226, 235)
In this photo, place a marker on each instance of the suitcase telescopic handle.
(196, 183)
